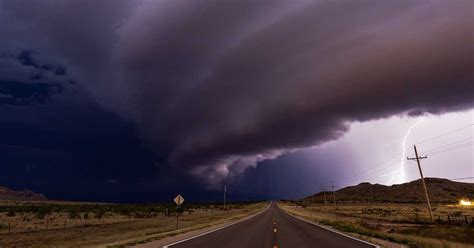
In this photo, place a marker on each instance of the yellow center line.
(274, 231)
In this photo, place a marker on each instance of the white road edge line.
(329, 229)
(220, 228)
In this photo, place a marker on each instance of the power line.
(460, 179)
(450, 149)
(442, 135)
(449, 144)
(379, 170)
(442, 149)
(378, 167)
(382, 170)
(225, 194)
(363, 173)
(333, 195)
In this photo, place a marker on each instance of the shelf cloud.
(217, 86)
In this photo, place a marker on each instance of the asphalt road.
(270, 229)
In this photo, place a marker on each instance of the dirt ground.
(110, 229)
(392, 225)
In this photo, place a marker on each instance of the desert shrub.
(356, 228)
(42, 212)
(450, 233)
(127, 212)
(3, 225)
(99, 213)
(456, 213)
(139, 215)
(73, 214)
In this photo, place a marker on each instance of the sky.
(136, 101)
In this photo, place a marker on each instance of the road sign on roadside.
(178, 200)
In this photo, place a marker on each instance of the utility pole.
(333, 195)
(225, 193)
(418, 158)
(304, 200)
(325, 201)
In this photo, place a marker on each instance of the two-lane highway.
(270, 229)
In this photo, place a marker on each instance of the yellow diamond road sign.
(179, 200)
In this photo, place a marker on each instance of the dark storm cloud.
(26, 80)
(26, 58)
(215, 87)
(19, 93)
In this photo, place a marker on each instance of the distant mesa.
(7, 194)
(440, 191)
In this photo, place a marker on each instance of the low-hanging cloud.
(216, 87)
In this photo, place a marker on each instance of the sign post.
(178, 200)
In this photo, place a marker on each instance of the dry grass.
(110, 229)
(401, 223)
(403, 213)
(29, 222)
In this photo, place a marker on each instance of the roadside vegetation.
(76, 224)
(406, 224)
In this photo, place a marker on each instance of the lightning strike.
(401, 170)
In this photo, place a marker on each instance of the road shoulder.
(166, 238)
(361, 238)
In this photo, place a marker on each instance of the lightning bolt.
(401, 170)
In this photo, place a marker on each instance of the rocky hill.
(22, 195)
(440, 190)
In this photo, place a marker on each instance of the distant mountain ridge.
(439, 190)
(20, 195)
